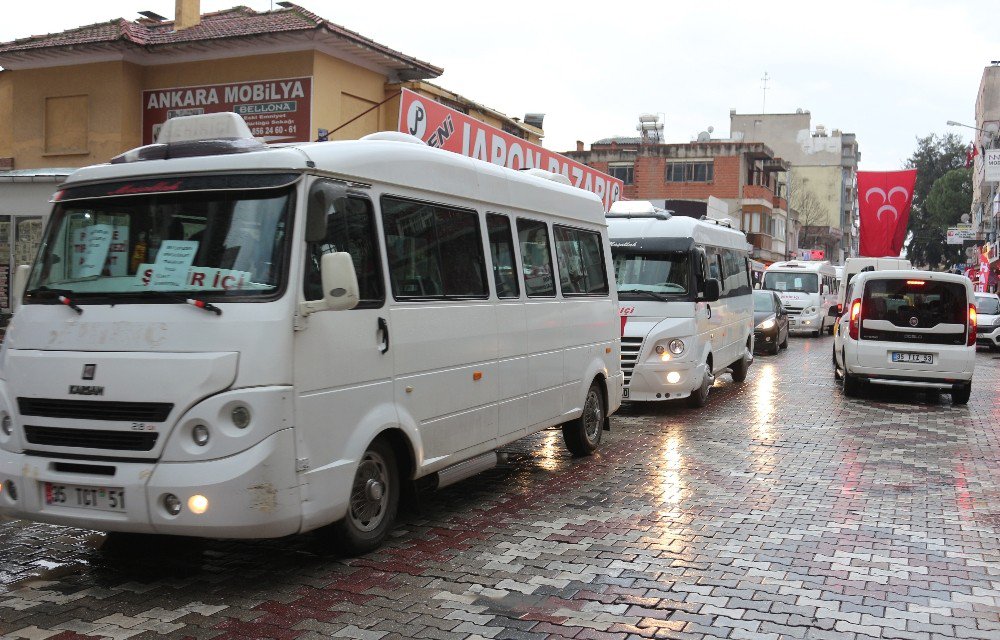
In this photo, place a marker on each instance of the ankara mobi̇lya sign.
(451, 130)
(275, 110)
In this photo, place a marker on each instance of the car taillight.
(855, 326)
(973, 321)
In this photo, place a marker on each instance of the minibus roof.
(699, 231)
(434, 172)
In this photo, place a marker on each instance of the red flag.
(884, 199)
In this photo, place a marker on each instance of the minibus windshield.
(791, 281)
(206, 244)
(664, 273)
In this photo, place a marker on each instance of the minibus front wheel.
(584, 434)
(374, 501)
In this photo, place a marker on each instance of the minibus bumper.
(252, 494)
(649, 381)
(804, 323)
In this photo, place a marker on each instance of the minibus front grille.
(794, 310)
(91, 438)
(630, 355)
(95, 409)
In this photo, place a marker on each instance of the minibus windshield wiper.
(651, 294)
(194, 302)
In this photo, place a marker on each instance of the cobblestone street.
(782, 510)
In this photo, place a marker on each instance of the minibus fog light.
(6, 425)
(198, 504)
(676, 346)
(200, 435)
(673, 377)
(241, 417)
(172, 504)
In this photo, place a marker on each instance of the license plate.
(625, 392)
(918, 358)
(81, 497)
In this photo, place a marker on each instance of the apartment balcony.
(758, 192)
(760, 241)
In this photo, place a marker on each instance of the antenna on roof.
(152, 15)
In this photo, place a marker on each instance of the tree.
(934, 157)
(950, 197)
(814, 216)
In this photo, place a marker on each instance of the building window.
(623, 171)
(513, 130)
(691, 171)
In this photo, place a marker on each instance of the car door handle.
(383, 327)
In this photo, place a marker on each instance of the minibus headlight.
(659, 349)
(200, 435)
(808, 311)
(240, 416)
(11, 489)
(676, 346)
(198, 504)
(6, 425)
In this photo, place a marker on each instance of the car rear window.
(915, 303)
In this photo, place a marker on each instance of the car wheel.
(699, 397)
(741, 367)
(584, 434)
(374, 501)
(852, 384)
(960, 394)
(836, 367)
(815, 334)
(784, 343)
(775, 348)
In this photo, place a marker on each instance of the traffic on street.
(782, 509)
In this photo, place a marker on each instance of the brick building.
(745, 176)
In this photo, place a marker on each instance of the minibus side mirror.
(340, 282)
(325, 197)
(713, 290)
(834, 311)
(20, 282)
(340, 285)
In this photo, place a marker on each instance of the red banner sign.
(275, 110)
(445, 128)
(884, 199)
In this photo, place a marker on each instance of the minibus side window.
(502, 254)
(536, 258)
(581, 262)
(351, 230)
(434, 251)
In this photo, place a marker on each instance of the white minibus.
(686, 302)
(807, 290)
(224, 339)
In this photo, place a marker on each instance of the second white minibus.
(224, 339)
(686, 302)
(807, 290)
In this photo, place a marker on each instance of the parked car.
(908, 328)
(770, 321)
(988, 329)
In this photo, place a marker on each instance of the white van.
(686, 302)
(807, 290)
(224, 339)
(908, 328)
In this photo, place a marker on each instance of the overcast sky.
(887, 71)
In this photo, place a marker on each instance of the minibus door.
(343, 370)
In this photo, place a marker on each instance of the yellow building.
(82, 96)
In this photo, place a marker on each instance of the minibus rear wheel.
(742, 366)
(584, 434)
(374, 500)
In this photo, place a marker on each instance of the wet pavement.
(781, 510)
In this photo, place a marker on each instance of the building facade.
(985, 193)
(82, 96)
(822, 181)
(746, 177)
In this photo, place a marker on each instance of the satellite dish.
(704, 136)
(711, 129)
(965, 217)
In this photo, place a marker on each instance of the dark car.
(770, 322)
